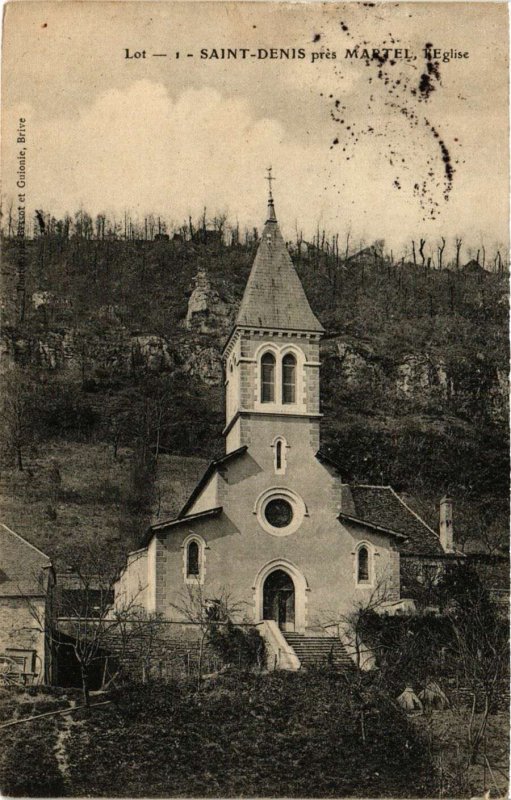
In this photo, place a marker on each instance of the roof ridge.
(9, 530)
(414, 513)
(207, 474)
(370, 486)
(175, 520)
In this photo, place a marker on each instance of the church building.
(272, 521)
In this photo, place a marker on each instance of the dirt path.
(64, 727)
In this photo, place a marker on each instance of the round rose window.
(279, 513)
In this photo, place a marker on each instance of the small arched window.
(289, 379)
(279, 446)
(193, 560)
(363, 565)
(278, 455)
(268, 378)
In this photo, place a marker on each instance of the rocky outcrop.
(499, 396)
(418, 374)
(108, 347)
(151, 352)
(356, 364)
(415, 377)
(207, 312)
(202, 362)
(114, 351)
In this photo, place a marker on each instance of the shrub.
(238, 647)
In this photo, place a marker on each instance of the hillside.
(114, 346)
(92, 500)
(242, 736)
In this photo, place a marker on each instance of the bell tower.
(271, 358)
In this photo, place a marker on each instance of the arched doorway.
(279, 599)
(296, 602)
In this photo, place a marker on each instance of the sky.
(396, 149)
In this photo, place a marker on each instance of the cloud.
(138, 149)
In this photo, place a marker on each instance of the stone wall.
(20, 630)
(153, 650)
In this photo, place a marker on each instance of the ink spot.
(317, 37)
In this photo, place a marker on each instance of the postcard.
(254, 399)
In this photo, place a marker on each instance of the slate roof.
(379, 528)
(380, 505)
(21, 566)
(274, 296)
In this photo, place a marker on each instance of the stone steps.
(318, 650)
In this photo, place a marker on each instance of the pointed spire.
(271, 208)
(274, 296)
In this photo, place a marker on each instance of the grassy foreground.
(285, 735)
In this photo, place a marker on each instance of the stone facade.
(229, 535)
(237, 549)
(26, 585)
(21, 635)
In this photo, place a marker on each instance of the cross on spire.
(270, 178)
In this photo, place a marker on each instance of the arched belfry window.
(280, 377)
(268, 378)
(363, 566)
(289, 379)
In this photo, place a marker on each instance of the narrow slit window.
(268, 378)
(289, 379)
(193, 565)
(278, 455)
(363, 565)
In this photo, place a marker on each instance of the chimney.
(446, 530)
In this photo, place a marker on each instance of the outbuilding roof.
(381, 505)
(21, 566)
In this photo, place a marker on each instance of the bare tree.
(16, 414)
(421, 251)
(498, 263)
(459, 242)
(480, 653)
(350, 626)
(85, 614)
(347, 249)
(441, 253)
(351, 629)
(206, 610)
(10, 219)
